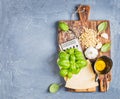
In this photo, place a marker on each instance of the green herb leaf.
(72, 57)
(69, 74)
(63, 26)
(73, 68)
(81, 63)
(106, 47)
(64, 63)
(102, 26)
(79, 55)
(63, 55)
(63, 72)
(54, 88)
(77, 71)
(70, 51)
(70, 62)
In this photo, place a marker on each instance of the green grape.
(63, 55)
(69, 74)
(64, 63)
(63, 72)
(72, 57)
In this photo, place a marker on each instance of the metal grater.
(74, 43)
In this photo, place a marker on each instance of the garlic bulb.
(104, 35)
(91, 53)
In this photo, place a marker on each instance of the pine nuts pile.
(88, 38)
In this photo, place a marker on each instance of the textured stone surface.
(28, 47)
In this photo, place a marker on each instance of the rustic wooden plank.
(92, 24)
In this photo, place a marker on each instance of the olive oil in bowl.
(103, 65)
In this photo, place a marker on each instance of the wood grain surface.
(104, 80)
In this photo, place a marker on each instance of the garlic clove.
(99, 45)
(104, 35)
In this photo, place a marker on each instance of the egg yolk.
(100, 65)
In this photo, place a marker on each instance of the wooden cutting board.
(83, 12)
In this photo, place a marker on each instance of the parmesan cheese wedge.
(84, 80)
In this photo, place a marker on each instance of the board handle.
(83, 11)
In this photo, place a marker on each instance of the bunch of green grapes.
(71, 61)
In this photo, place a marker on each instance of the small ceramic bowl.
(108, 63)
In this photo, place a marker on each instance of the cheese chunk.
(84, 80)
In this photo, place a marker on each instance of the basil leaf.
(70, 51)
(77, 71)
(63, 26)
(63, 55)
(102, 26)
(69, 74)
(63, 63)
(81, 63)
(106, 47)
(72, 57)
(54, 88)
(63, 72)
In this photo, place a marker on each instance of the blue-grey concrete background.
(28, 47)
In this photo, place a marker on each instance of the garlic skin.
(91, 53)
(99, 45)
(104, 35)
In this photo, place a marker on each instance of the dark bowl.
(108, 62)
